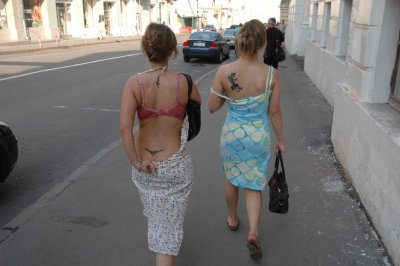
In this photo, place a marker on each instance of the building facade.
(351, 53)
(284, 11)
(51, 19)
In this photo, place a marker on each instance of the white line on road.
(69, 66)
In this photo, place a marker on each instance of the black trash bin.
(8, 151)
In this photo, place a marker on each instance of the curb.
(19, 48)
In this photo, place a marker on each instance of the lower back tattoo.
(153, 152)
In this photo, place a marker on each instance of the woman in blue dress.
(252, 92)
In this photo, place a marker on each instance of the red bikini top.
(176, 110)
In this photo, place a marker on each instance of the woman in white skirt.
(162, 167)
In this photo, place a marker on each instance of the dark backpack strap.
(190, 83)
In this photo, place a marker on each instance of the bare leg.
(164, 260)
(253, 206)
(232, 197)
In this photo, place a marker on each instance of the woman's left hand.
(280, 146)
(149, 167)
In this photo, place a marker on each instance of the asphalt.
(94, 216)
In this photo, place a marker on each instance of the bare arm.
(275, 113)
(128, 110)
(215, 102)
(283, 45)
(195, 95)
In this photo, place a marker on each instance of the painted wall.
(349, 55)
(324, 69)
(366, 140)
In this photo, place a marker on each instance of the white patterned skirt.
(165, 198)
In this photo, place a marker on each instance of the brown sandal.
(253, 244)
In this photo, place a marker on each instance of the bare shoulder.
(132, 82)
(227, 67)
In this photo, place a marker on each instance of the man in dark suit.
(274, 37)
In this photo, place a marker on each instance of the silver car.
(230, 36)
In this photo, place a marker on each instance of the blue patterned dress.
(246, 139)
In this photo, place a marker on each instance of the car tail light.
(186, 44)
(213, 44)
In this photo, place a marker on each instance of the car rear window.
(229, 31)
(207, 36)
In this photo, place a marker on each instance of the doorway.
(108, 17)
(63, 18)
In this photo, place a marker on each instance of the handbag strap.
(190, 83)
(277, 160)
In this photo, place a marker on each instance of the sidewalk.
(95, 216)
(35, 45)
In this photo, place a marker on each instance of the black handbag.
(193, 111)
(279, 52)
(278, 188)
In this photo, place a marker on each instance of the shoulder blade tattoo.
(233, 80)
(158, 81)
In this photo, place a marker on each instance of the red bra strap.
(141, 87)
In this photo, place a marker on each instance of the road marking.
(86, 108)
(69, 66)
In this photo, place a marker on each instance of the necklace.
(163, 68)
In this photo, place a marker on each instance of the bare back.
(159, 137)
(242, 79)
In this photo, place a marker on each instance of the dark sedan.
(8, 151)
(205, 44)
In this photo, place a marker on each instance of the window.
(124, 12)
(325, 29)
(314, 22)
(3, 15)
(87, 14)
(33, 13)
(346, 19)
(395, 82)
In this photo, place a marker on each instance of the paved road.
(63, 106)
(94, 217)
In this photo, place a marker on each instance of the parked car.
(209, 27)
(206, 44)
(230, 36)
(234, 26)
(8, 151)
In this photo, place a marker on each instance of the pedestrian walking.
(275, 38)
(252, 92)
(161, 165)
